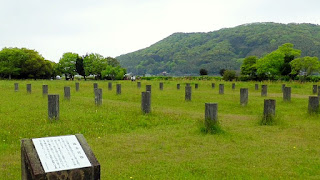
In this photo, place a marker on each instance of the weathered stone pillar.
(178, 86)
(315, 89)
(188, 93)
(95, 86)
(98, 96)
(53, 106)
(221, 88)
(287, 94)
(211, 114)
(146, 102)
(161, 86)
(16, 87)
(109, 86)
(118, 89)
(77, 86)
(196, 86)
(313, 106)
(213, 85)
(67, 93)
(29, 88)
(318, 90)
(244, 96)
(139, 85)
(282, 87)
(148, 88)
(256, 86)
(264, 90)
(233, 86)
(44, 90)
(269, 109)
(188, 84)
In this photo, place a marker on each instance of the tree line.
(23, 63)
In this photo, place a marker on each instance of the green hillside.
(186, 53)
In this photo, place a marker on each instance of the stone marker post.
(118, 89)
(282, 87)
(264, 90)
(44, 90)
(29, 88)
(32, 159)
(77, 86)
(269, 110)
(98, 96)
(211, 114)
(148, 88)
(109, 86)
(146, 102)
(53, 106)
(196, 86)
(313, 106)
(16, 87)
(139, 85)
(244, 96)
(178, 86)
(221, 88)
(213, 85)
(233, 86)
(318, 90)
(67, 92)
(256, 86)
(161, 86)
(315, 89)
(188, 93)
(287, 94)
(95, 86)
(188, 84)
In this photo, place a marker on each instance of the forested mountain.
(187, 53)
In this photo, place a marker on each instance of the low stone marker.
(256, 86)
(109, 86)
(178, 86)
(313, 106)
(77, 86)
(148, 88)
(244, 96)
(118, 89)
(146, 102)
(221, 88)
(211, 114)
(58, 158)
(264, 90)
(315, 89)
(53, 106)
(16, 87)
(98, 96)
(188, 93)
(95, 86)
(282, 87)
(287, 94)
(233, 86)
(196, 86)
(67, 92)
(188, 84)
(213, 85)
(29, 88)
(44, 90)
(269, 110)
(139, 85)
(161, 86)
(318, 90)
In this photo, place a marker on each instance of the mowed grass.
(168, 143)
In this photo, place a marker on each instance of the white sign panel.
(60, 153)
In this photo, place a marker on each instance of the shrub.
(229, 75)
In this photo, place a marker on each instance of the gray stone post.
(29, 88)
(221, 88)
(16, 87)
(213, 85)
(282, 87)
(161, 85)
(256, 86)
(118, 89)
(264, 90)
(53, 106)
(244, 94)
(196, 86)
(77, 86)
(67, 93)
(269, 110)
(109, 86)
(139, 85)
(315, 89)
(287, 94)
(178, 86)
(95, 86)
(233, 86)
(313, 106)
(188, 84)
(98, 96)
(146, 102)
(211, 114)
(188, 93)
(44, 90)
(148, 88)
(318, 90)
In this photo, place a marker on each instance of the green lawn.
(168, 143)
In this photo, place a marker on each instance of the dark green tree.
(203, 72)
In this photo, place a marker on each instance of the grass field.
(168, 143)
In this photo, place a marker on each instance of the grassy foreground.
(168, 143)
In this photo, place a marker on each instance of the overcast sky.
(115, 27)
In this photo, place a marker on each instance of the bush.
(229, 75)
(203, 72)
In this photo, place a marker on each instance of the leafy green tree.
(248, 67)
(67, 64)
(306, 65)
(203, 72)
(229, 75)
(112, 62)
(221, 72)
(94, 64)
(114, 73)
(10, 61)
(80, 67)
